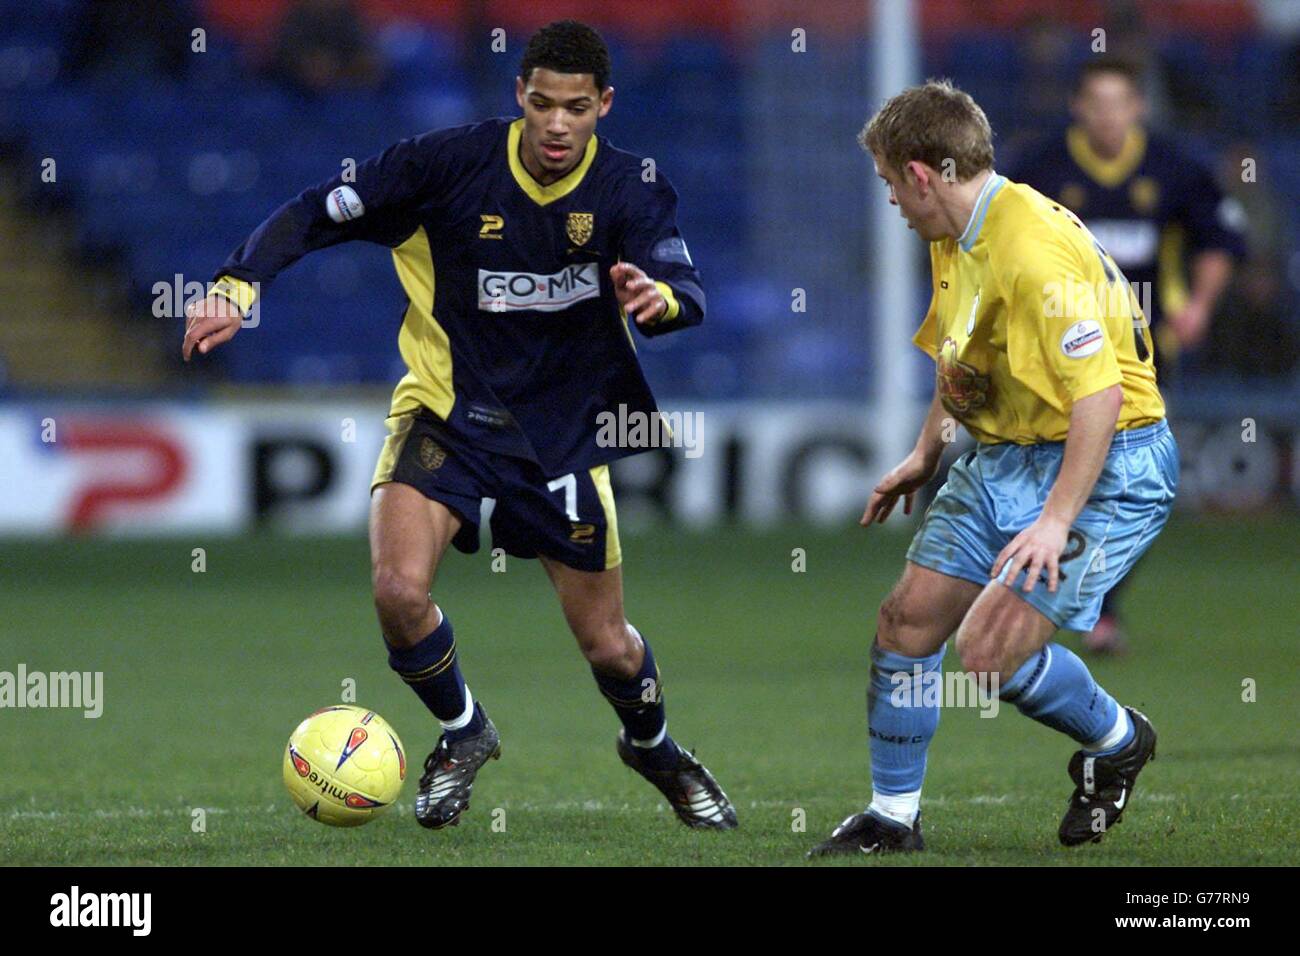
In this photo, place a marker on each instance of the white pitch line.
(585, 806)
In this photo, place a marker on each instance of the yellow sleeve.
(1058, 340)
(674, 307)
(242, 294)
(927, 336)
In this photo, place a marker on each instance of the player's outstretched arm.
(1039, 547)
(912, 473)
(209, 322)
(379, 202)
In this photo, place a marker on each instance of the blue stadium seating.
(169, 177)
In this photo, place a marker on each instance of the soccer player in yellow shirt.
(1043, 354)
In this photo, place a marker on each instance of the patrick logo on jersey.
(962, 388)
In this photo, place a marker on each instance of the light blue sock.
(1055, 688)
(902, 716)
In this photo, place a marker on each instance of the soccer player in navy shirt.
(1155, 209)
(524, 246)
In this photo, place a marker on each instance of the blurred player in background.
(1072, 478)
(523, 247)
(1155, 209)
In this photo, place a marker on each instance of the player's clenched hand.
(208, 323)
(1037, 547)
(902, 482)
(637, 293)
(1190, 324)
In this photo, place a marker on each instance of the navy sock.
(1056, 689)
(902, 717)
(639, 703)
(432, 671)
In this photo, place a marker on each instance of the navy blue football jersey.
(513, 335)
(1152, 207)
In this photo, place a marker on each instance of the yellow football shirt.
(1029, 314)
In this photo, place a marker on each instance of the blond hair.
(931, 123)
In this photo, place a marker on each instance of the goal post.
(894, 53)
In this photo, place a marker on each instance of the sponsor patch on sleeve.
(1082, 339)
(343, 204)
(672, 249)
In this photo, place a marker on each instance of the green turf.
(206, 674)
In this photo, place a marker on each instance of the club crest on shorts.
(579, 226)
(431, 455)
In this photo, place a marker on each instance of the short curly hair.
(567, 46)
(931, 123)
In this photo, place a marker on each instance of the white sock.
(899, 807)
(464, 719)
(1112, 739)
(654, 741)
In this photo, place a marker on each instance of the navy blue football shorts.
(569, 518)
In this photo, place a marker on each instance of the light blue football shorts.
(996, 491)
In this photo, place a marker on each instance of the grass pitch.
(205, 674)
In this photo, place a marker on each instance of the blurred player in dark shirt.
(1155, 209)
